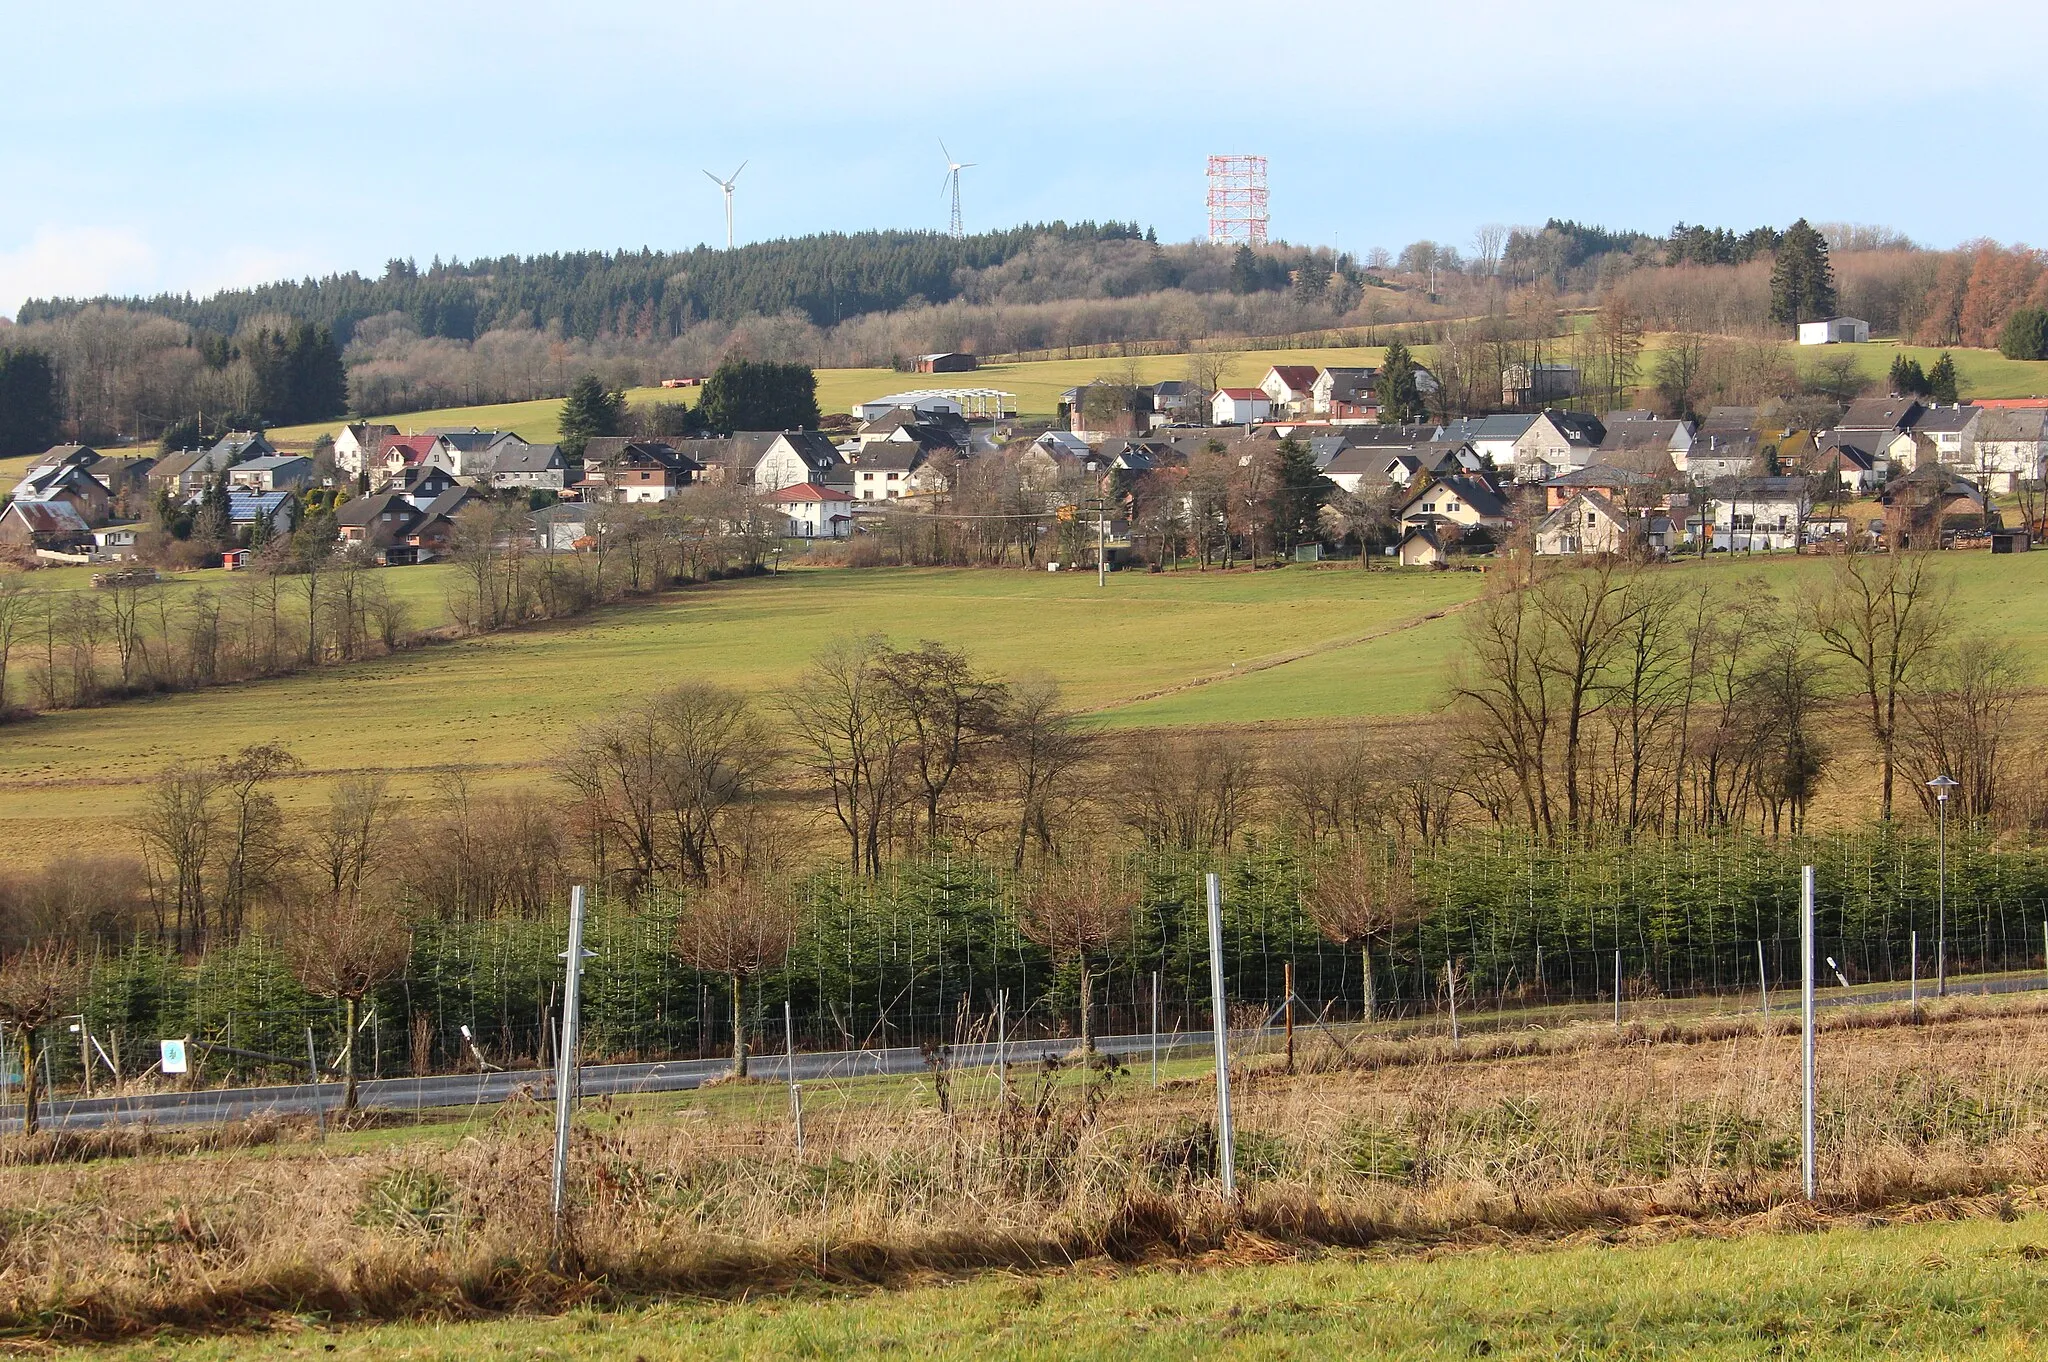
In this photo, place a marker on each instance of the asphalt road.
(214, 1106)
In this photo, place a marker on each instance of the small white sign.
(174, 1057)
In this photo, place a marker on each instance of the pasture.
(1039, 383)
(1294, 645)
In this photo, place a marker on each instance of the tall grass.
(1415, 1142)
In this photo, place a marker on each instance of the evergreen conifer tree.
(1941, 379)
(590, 409)
(1802, 281)
(1399, 398)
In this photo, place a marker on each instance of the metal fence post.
(1226, 1150)
(1155, 1028)
(796, 1098)
(1806, 952)
(566, 1067)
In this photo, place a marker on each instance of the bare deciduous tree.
(1039, 751)
(1076, 910)
(1959, 721)
(737, 926)
(343, 947)
(37, 986)
(1365, 893)
(1196, 793)
(850, 737)
(1882, 614)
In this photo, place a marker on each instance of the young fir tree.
(591, 409)
(1907, 380)
(1941, 379)
(1400, 399)
(1802, 281)
(213, 525)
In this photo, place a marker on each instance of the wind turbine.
(727, 184)
(952, 181)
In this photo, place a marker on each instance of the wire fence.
(930, 952)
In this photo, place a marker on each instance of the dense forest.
(828, 278)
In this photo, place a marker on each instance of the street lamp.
(1941, 785)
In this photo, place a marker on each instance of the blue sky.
(146, 146)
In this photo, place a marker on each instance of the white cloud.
(73, 262)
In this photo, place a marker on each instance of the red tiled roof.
(415, 446)
(808, 491)
(1245, 394)
(1300, 377)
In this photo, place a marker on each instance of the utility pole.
(566, 1066)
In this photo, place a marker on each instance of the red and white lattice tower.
(1237, 200)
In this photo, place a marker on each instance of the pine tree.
(1244, 271)
(745, 394)
(1299, 495)
(2025, 335)
(1802, 281)
(590, 409)
(1399, 398)
(1941, 380)
(28, 402)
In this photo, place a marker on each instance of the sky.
(146, 147)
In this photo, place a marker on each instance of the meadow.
(1038, 384)
(1611, 1192)
(1294, 645)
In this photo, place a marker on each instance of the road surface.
(214, 1106)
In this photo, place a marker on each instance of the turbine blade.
(714, 179)
(736, 173)
(965, 164)
(942, 147)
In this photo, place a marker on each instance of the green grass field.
(1038, 384)
(1299, 644)
(505, 703)
(1974, 1289)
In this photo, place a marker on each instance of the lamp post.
(1941, 785)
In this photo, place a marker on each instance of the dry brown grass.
(1544, 1136)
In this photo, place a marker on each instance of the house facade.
(813, 512)
(1758, 514)
(1239, 406)
(798, 456)
(1588, 523)
(1290, 388)
(2011, 447)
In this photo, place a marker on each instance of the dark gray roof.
(1577, 427)
(1505, 426)
(1880, 413)
(814, 447)
(527, 459)
(1476, 492)
(1938, 420)
(887, 455)
(1598, 475)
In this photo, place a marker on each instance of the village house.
(2011, 447)
(1463, 500)
(274, 511)
(1587, 523)
(813, 512)
(526, 466)
(1609, 483)
(1641, 440)
(1756, 514)
(1290, 388)
(1531, 385)
(1239, 406)
(1853, 470)
(1420, 547)
(358, 444)
(1494, 437)
(1556, 442)
(53, 525)
(470, 454)
(1947, 434)
(797, 456)
(273, 473)
(884, 471)
(638, 471)
(70, 483)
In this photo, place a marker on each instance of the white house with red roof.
(814, 512)
(1291, 387)
(1239, 406)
